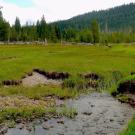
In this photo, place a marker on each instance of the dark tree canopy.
(117, 18)
(17, 25)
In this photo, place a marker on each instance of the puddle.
(98, 114)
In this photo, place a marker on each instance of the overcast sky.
(31, 10)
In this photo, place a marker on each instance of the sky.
(53, 10)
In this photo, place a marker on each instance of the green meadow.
(15, 61)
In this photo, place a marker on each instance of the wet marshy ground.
(98, 114)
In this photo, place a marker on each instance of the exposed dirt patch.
(37, 77)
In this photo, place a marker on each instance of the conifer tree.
(95, 31)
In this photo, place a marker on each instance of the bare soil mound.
(37, 78)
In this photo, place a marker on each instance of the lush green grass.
(38, 92)
(131, 128)
(73, 59)
(15, 61)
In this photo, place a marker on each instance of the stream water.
(98, 114)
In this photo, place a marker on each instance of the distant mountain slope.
(117, 18)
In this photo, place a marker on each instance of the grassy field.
(116, 62)
(16, 60)
(38, 92)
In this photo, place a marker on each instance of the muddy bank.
(98, 114)
(37, 77)
(126, 90)
(53, 75)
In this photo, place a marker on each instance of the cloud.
(54, 9)
(64, 9)
(32, 13)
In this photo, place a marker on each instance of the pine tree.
(95, 31)
(43, 29)
(17, 28)
(52, 35)
(38, 30)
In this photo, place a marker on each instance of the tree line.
(41, 31)
(52, 32)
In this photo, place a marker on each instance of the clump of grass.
(24, 113)
(74, 82)
(110, 81)
(114, 88)
(68, 112)
(80, 83)
(30, 113)
(10, 124)
(123, 98)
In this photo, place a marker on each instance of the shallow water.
(98, 114)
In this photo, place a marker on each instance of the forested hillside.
(115, 25)
(114, 19)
